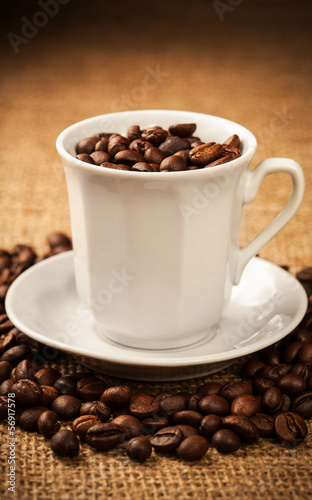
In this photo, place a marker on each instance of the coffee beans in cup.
(154, 149)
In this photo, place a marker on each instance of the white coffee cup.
(156, 254)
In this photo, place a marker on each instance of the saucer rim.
(153, 362)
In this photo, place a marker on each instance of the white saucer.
(267, 305)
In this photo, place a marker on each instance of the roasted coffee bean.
(7, 340)
(226, 441)
(87, 145)
(49, 394)
(173, 163)
(24, 255)
(100, 157)
(117, 143)
(141, 166)
(140, 146)
(303, 405)
(268, 372)
(65, 443)
(304, 355)
(5, 370)
(16, 353)
(193, 401)
(120, 411)
(143, 406)
(48, 423)
(155, 135)
(160, 396)
(231, 151)
(101, 145)
(271, 356)
(139, 448)
(188, 417)
(219, 161)
(90, 388)
(116, 397)
(24, 370)
(153, 425)
(305, 278)
(251, 367)
(260, 385)
(246, 429)
(188, 430)
(67, 407)
(133, 133)
(174, 144)
(4, 407)
(264, 423)
(58, 239)
(283, 369)
(130, 425)
(167, 439)
(234, 140)
(209, 425)
(272, 400)
(300, 370)
(193, 448)
(205, 154)
(213, 404)
(96, 408)
(183, 129)
(66, 385)
(81, 424)
(184, 153)
(235, 388)
(5, 259)
(154, 155)
(6, 387)
(208, 389)
(5, 324)
(128, 157)
(302, 335)
(27, 393)
(47, 376)
(290, 428)
(28, 418)
(86, 158)
(154, 166)
(290, 352)
(104, 436)
(246, 405)
(286, 403)
(171, 405)
(292, 384)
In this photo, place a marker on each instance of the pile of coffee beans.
(272, 399)
(154, 149)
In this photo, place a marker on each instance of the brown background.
(249, 61)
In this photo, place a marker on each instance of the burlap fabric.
(247, 61)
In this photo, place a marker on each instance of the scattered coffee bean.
(28, 418)
(290, 428)
(143, 406)
(49, 394)
(27, 393)
(116, 397)
(96, 408)
(242, 426)
(303, 405)
(188, 430)
(90, 388)
(65, 443)
(245, 405)
(209, 425)
(104, 436)
(81, 424)
(213, 404)
(188, 417)
(48, 423)
(264, 423)
(139, 448)
(193, 448)
(167, 439)
(226, 441)
(47, 376)
(67, 407)
(5, 370)
(66, 385)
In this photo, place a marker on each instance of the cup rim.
(74, 162)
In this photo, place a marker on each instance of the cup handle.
(253, 181)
